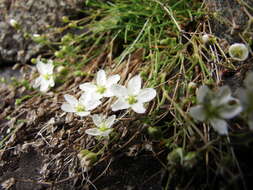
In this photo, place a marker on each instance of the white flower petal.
(82, 114)
(110, 120)
(120, 104)
(71, 100)
(138, 108)
(248, 82)
(219, 125)
(97, 119)
(37, 82)
(93, 132)
(88, 87)
(202, 93)
(243, 96)
(97, 132)
(134, 85)
(231, 109)
(51, 82)
(92, 104)
(198, 113)
(223, 96)
(49, 67)
(112, 80)
(118, 90)
(42, 68)
(146, 94)
(67, 108)
(108, 93)
(44, 85)
(101, 77)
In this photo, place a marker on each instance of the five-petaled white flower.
(81, 107)
(103, 125)
(102, 87)
(46, 79)
(133, 96)
(216, 107)
(238, 51)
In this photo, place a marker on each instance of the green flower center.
(237, 52)
(103, 127)
(47, 76)
(132, 100)
(80, 108)
(101, 89)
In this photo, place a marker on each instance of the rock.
(231, 18)
(34, 17)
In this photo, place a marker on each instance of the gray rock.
(34, 17)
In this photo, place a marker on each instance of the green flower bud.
(65, 19)
(33, 60)
(58, 54)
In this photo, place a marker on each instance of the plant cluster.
(152, 39)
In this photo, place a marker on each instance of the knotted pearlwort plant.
(131, 97)
(215, 108)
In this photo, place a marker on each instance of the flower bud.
(38, 38)
(87, 158)
(33, 60)
(205, 38)
(238, 51)
(66, 38)
(65, 19)
(58, 54)
(13, 23)
(154, 132)
(60, 69)
(192, 86)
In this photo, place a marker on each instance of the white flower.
(102, 87)
(13, 23)
(103, 125)
(81, 107)
(215, 107)
(133, 96)
(46, 79)
(238, 51)
(205, 38)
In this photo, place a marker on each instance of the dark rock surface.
(34, 17)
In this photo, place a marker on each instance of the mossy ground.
(162, 149)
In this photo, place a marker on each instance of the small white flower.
(133, 96)
(13, 23)
(46, 79)
(206, 38)
(81, 107)
(102, 87)
(238, 51)
(103, 125)
(215, 107)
